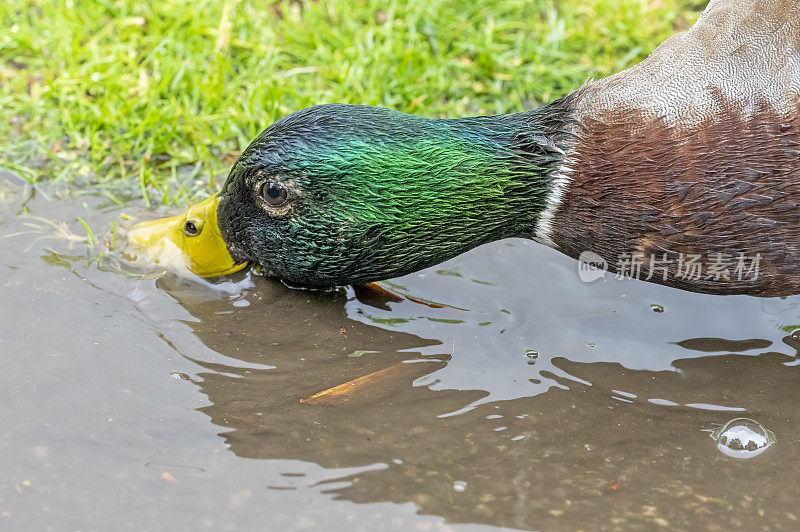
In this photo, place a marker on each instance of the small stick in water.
(381, 292)
(344, 392)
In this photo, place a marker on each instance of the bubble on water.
(177, 375)
(532, 355)
(742, 438)
(459, 485)
(657, 308)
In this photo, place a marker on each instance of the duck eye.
(273, 194)
(191, 228)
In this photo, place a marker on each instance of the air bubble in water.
(742, 438)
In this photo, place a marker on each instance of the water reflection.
(533, 400)
(598, 445)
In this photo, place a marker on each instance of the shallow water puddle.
(536, 401)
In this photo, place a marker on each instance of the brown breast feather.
(696, 152)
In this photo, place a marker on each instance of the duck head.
(344, 194)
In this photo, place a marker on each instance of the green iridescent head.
(342, 194)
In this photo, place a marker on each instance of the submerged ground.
(535, 401)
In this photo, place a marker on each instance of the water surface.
(535, 401)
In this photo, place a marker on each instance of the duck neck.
(511, 164)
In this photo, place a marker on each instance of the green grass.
(158, 98)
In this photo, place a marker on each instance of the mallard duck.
(691, 157)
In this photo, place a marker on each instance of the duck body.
(683, 170)
(694, 153)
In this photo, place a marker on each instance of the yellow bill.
(191, 240)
